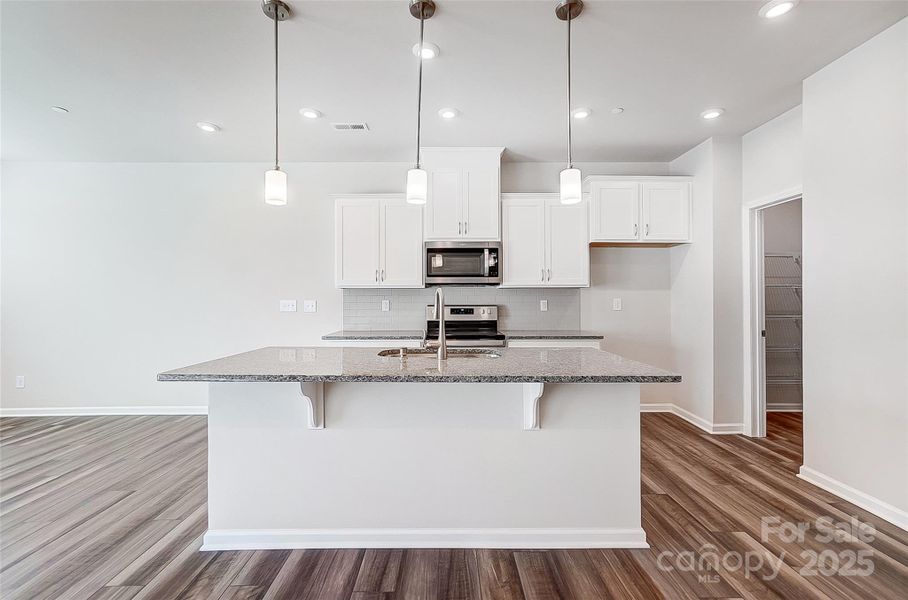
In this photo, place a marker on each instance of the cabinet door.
(566, 246)
(401, 244)
(443, 205)
(666, 211)
(357, 241)
(481, 206)
(614, 211)
(523, 246)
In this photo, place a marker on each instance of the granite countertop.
(515, 365)
(386, 334)
(551, 334)
(418, 334)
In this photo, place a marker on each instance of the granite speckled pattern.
(512, 334)
(515, 365)
(379, 334)
(551, 334)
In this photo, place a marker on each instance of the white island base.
(423, 465)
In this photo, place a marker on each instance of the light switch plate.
(385, 305)
(616, 303)
(309, 306)
(288, 305)
(543, 305)
(20, 381)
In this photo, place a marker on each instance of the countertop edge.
(369, 336)
(214, 378)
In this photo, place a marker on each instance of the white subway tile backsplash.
(518, 308)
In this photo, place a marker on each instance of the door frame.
(754, 392)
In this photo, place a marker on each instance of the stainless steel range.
(466, 325)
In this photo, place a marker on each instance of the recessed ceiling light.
(712, 113)
(59, 109)
(207, 127)
(448, 113)
(617, 110)
(777, 8)
(581, 113)
(428, 50)
(310, 113)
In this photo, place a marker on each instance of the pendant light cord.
(422, 26)
(569, 117)
(276, 19)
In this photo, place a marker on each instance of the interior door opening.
(781, 350)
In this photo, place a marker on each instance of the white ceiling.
(137, 76)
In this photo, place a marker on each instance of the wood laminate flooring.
(113, 508)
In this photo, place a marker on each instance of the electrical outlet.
(20, 381)
(616, 303)
(543, 305)
(385, 305)
(309, 306)
(288, 305)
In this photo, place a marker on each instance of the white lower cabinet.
(640, 210)
(544, 243)
(378, 242)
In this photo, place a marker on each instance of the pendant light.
(570, 185)
(417, 180)
(275, 179)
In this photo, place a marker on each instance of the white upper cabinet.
(523, 246)
(640, 210)
(463, 200)
(378, 242)
(614, 210)
(544, 243)
(666, 211)
(567, 249)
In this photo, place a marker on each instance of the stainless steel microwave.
(463, 263)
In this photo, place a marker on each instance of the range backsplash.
(518, 308)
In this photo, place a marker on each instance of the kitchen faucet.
(440, 315)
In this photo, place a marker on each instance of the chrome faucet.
(440, 315)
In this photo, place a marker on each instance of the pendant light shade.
(570, 186)
(417, 179)
(275, 187)
(417, 186)
(570, 181)
(275, 179)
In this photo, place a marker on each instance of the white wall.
(641, 330)
(772, 157)
(855, 211)
(692, 290)
(727, 282)
(112, 273)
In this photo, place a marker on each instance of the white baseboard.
(785, 407)
(530, 538)
(92, 411)
(707, 426)
(884, 510)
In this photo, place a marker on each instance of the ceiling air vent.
(350, 126)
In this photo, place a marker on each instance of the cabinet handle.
(465, 223)
(635, 230)
(543, 274)
(376, 274)
(382, 274)
(647, 229)
(550, 274)
(459, 225)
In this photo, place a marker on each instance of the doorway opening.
(782, 303)
(772, 310)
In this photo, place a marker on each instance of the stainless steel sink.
(432, 352)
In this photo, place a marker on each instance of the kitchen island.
(341, 447)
